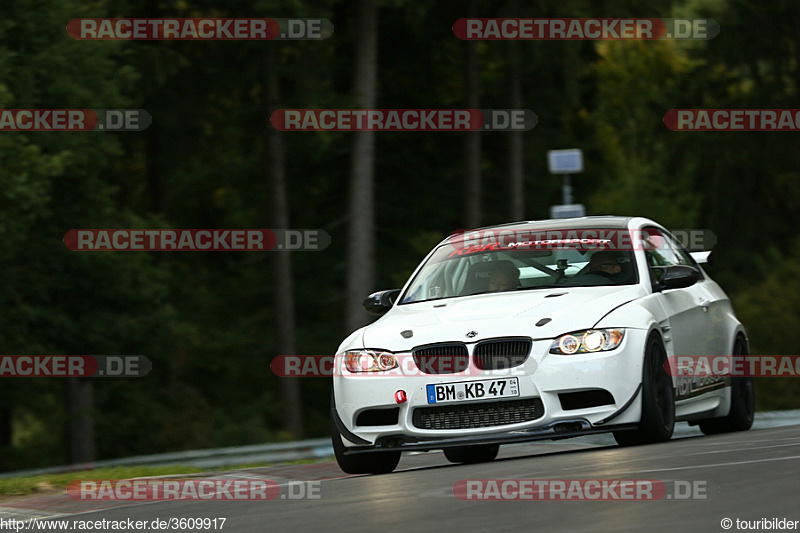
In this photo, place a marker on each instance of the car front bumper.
(548, 377)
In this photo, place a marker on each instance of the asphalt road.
(748, 476)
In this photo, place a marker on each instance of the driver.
(604, 262)
(505, 278)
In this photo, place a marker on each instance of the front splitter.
(563, 429)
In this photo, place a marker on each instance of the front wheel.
(368, 463)
(743, 401)
(658, 400)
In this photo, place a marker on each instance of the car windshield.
(464, 270)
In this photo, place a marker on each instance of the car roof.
(592, 222)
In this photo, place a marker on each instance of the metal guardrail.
(208, 458)
(319, 448)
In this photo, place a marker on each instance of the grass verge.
(53, 483)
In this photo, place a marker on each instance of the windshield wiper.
(540, 287)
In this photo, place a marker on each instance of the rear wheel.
(367, 463)
(658, 400)
(743, 401)
(481, 453)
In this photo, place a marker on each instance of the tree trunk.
(516, 171)
(156, 187)
(361, 228)
(80, 425)
(283, 280)
(6, 427)
(797, 68)
(472, 148)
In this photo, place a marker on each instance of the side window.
(661, 250)
(658, 250)
(684, 256)
(659, 253)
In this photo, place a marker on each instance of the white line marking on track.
(708, 466)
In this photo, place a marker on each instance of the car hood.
(496, 315)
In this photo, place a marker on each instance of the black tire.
(658, 400)
(367, 463)
(480, 453)
(743, 401)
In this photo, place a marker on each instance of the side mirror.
(378, 303)
(677, 277)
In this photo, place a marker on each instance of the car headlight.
(369, 361)
(587, 341)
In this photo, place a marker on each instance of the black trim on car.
(501, 352)
(620, 411)
(613, 309)
(378, 417)
(455, 416)
(562, 429)
(346, 433)
(584, 399)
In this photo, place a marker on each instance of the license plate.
(473, 390)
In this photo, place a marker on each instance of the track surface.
(750, 476)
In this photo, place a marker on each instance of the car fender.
(354, 341)
(628, 315)
(633, 316)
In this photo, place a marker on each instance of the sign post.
(566, 162)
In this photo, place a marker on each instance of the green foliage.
(771, 311)
(642, 175)
(50, 483)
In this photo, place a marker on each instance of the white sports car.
(537, 330)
